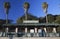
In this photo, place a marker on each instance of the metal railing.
(22, 34)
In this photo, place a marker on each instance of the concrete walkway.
(30, 38)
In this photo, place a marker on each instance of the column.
(35, 30)
(7, 29)
(26, 30)
(45, 30)
(16, 30)
(54, 30)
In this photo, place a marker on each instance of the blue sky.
(17, 9)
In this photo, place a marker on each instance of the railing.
(21, 34)
(41, 35)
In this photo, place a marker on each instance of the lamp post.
(6, 6)
(45, 7)
(26, 7)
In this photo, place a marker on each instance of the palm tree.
(7, 6)
(45, 6)
(26, 7)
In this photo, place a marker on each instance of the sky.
(16, 10)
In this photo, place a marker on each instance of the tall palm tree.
(7, 6)
(45, 6)
(26, 7)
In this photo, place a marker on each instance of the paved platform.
(30, 38)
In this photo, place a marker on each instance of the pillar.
(35, 30)
(54, 30)
(7, 29)
(45, 30)
(26, 30)
(16, 30)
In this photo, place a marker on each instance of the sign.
(30, 21)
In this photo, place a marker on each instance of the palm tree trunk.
(26, 14)
(6, 16)
(45, 10)
(46, 18)
(6, 19)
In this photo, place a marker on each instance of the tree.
(29, 17)
(7, 7)
(57, 19)
(50, 18)
(2, 21)
(26, 7)
(42, 20)
(45, 6)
